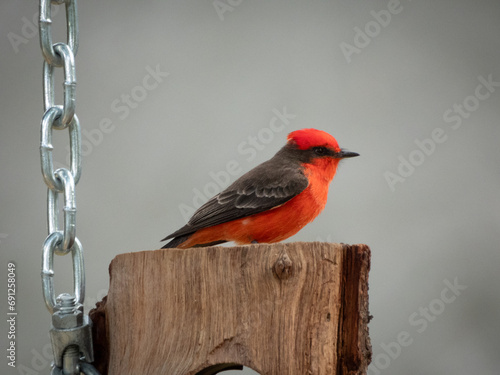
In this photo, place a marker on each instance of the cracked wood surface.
(280, 309)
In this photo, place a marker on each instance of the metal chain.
(71, 332)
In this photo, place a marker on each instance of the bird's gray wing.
(264, 187)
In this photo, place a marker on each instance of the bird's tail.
(177, 241)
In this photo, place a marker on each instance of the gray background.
(227, 73)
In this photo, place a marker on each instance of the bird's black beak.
(346, 154)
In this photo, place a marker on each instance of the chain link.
(69, 210)
(71, 329)
(46, 30)
(48, 273)
(68, 60)
(46, 148)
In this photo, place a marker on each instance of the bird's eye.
(319, 150)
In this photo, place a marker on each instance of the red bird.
(271, 202)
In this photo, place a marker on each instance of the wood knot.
(283, 267)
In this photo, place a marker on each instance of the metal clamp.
(71, 337)
(64, 338)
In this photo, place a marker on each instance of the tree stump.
(280, 309)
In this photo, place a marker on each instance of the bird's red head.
(308, 138)
(320, 151)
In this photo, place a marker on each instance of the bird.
(271, 202)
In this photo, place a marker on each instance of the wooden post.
(280, 309)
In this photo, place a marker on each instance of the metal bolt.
(71, 357)
(68, 314)
(66, 301)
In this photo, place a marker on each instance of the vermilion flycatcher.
(271, 202)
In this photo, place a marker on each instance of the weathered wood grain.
(280, 309)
